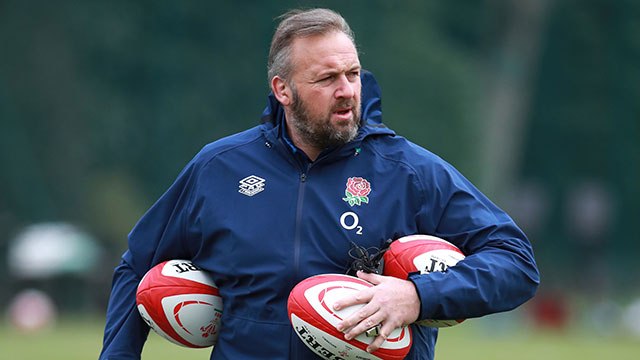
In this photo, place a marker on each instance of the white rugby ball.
(181, 303)
(311, 313)
(424, 254)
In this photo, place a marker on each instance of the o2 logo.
(349, 221)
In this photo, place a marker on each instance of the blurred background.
(537, 102)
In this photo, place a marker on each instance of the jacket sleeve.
(125, 332)
(158, 236)
(499, 272)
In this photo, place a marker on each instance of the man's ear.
(281, 90)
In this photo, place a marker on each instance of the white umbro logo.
(251, 185)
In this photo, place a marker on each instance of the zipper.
(298, 223)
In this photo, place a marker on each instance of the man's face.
(325, 83)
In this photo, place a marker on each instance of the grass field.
(81, 338)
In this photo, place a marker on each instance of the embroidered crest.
(251, 185)
(357, 191)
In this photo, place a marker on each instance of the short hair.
(301, 23)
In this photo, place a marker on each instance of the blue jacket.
(261, 217)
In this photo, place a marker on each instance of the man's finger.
(363, 326)
(375, 345)
(357, 317)
(375, 279)
(385, 331)
(360, 297)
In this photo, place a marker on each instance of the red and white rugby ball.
(423, 253)
(311, 313)
(181, 303)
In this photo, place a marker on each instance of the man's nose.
(345, 88)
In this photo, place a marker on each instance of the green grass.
(471, 341)
(81, 338)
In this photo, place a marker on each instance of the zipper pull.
(303, 177)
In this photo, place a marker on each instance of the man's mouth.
(343, 112)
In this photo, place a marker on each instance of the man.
(266, 208)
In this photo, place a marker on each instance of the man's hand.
(392, 302)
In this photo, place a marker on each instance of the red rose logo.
(358, 186)
(357, 191)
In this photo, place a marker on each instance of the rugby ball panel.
(325, 344)
(424, 254)
(194, 317)
(311, 313)
(177, 273)
(155, 327)
(181, 303)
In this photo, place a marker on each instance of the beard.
(317, 130)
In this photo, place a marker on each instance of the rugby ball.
(424, 254)
(310, 308)
(180, 302)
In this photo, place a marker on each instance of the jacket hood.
(370, 108)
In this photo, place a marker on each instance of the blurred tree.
(584, 128)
